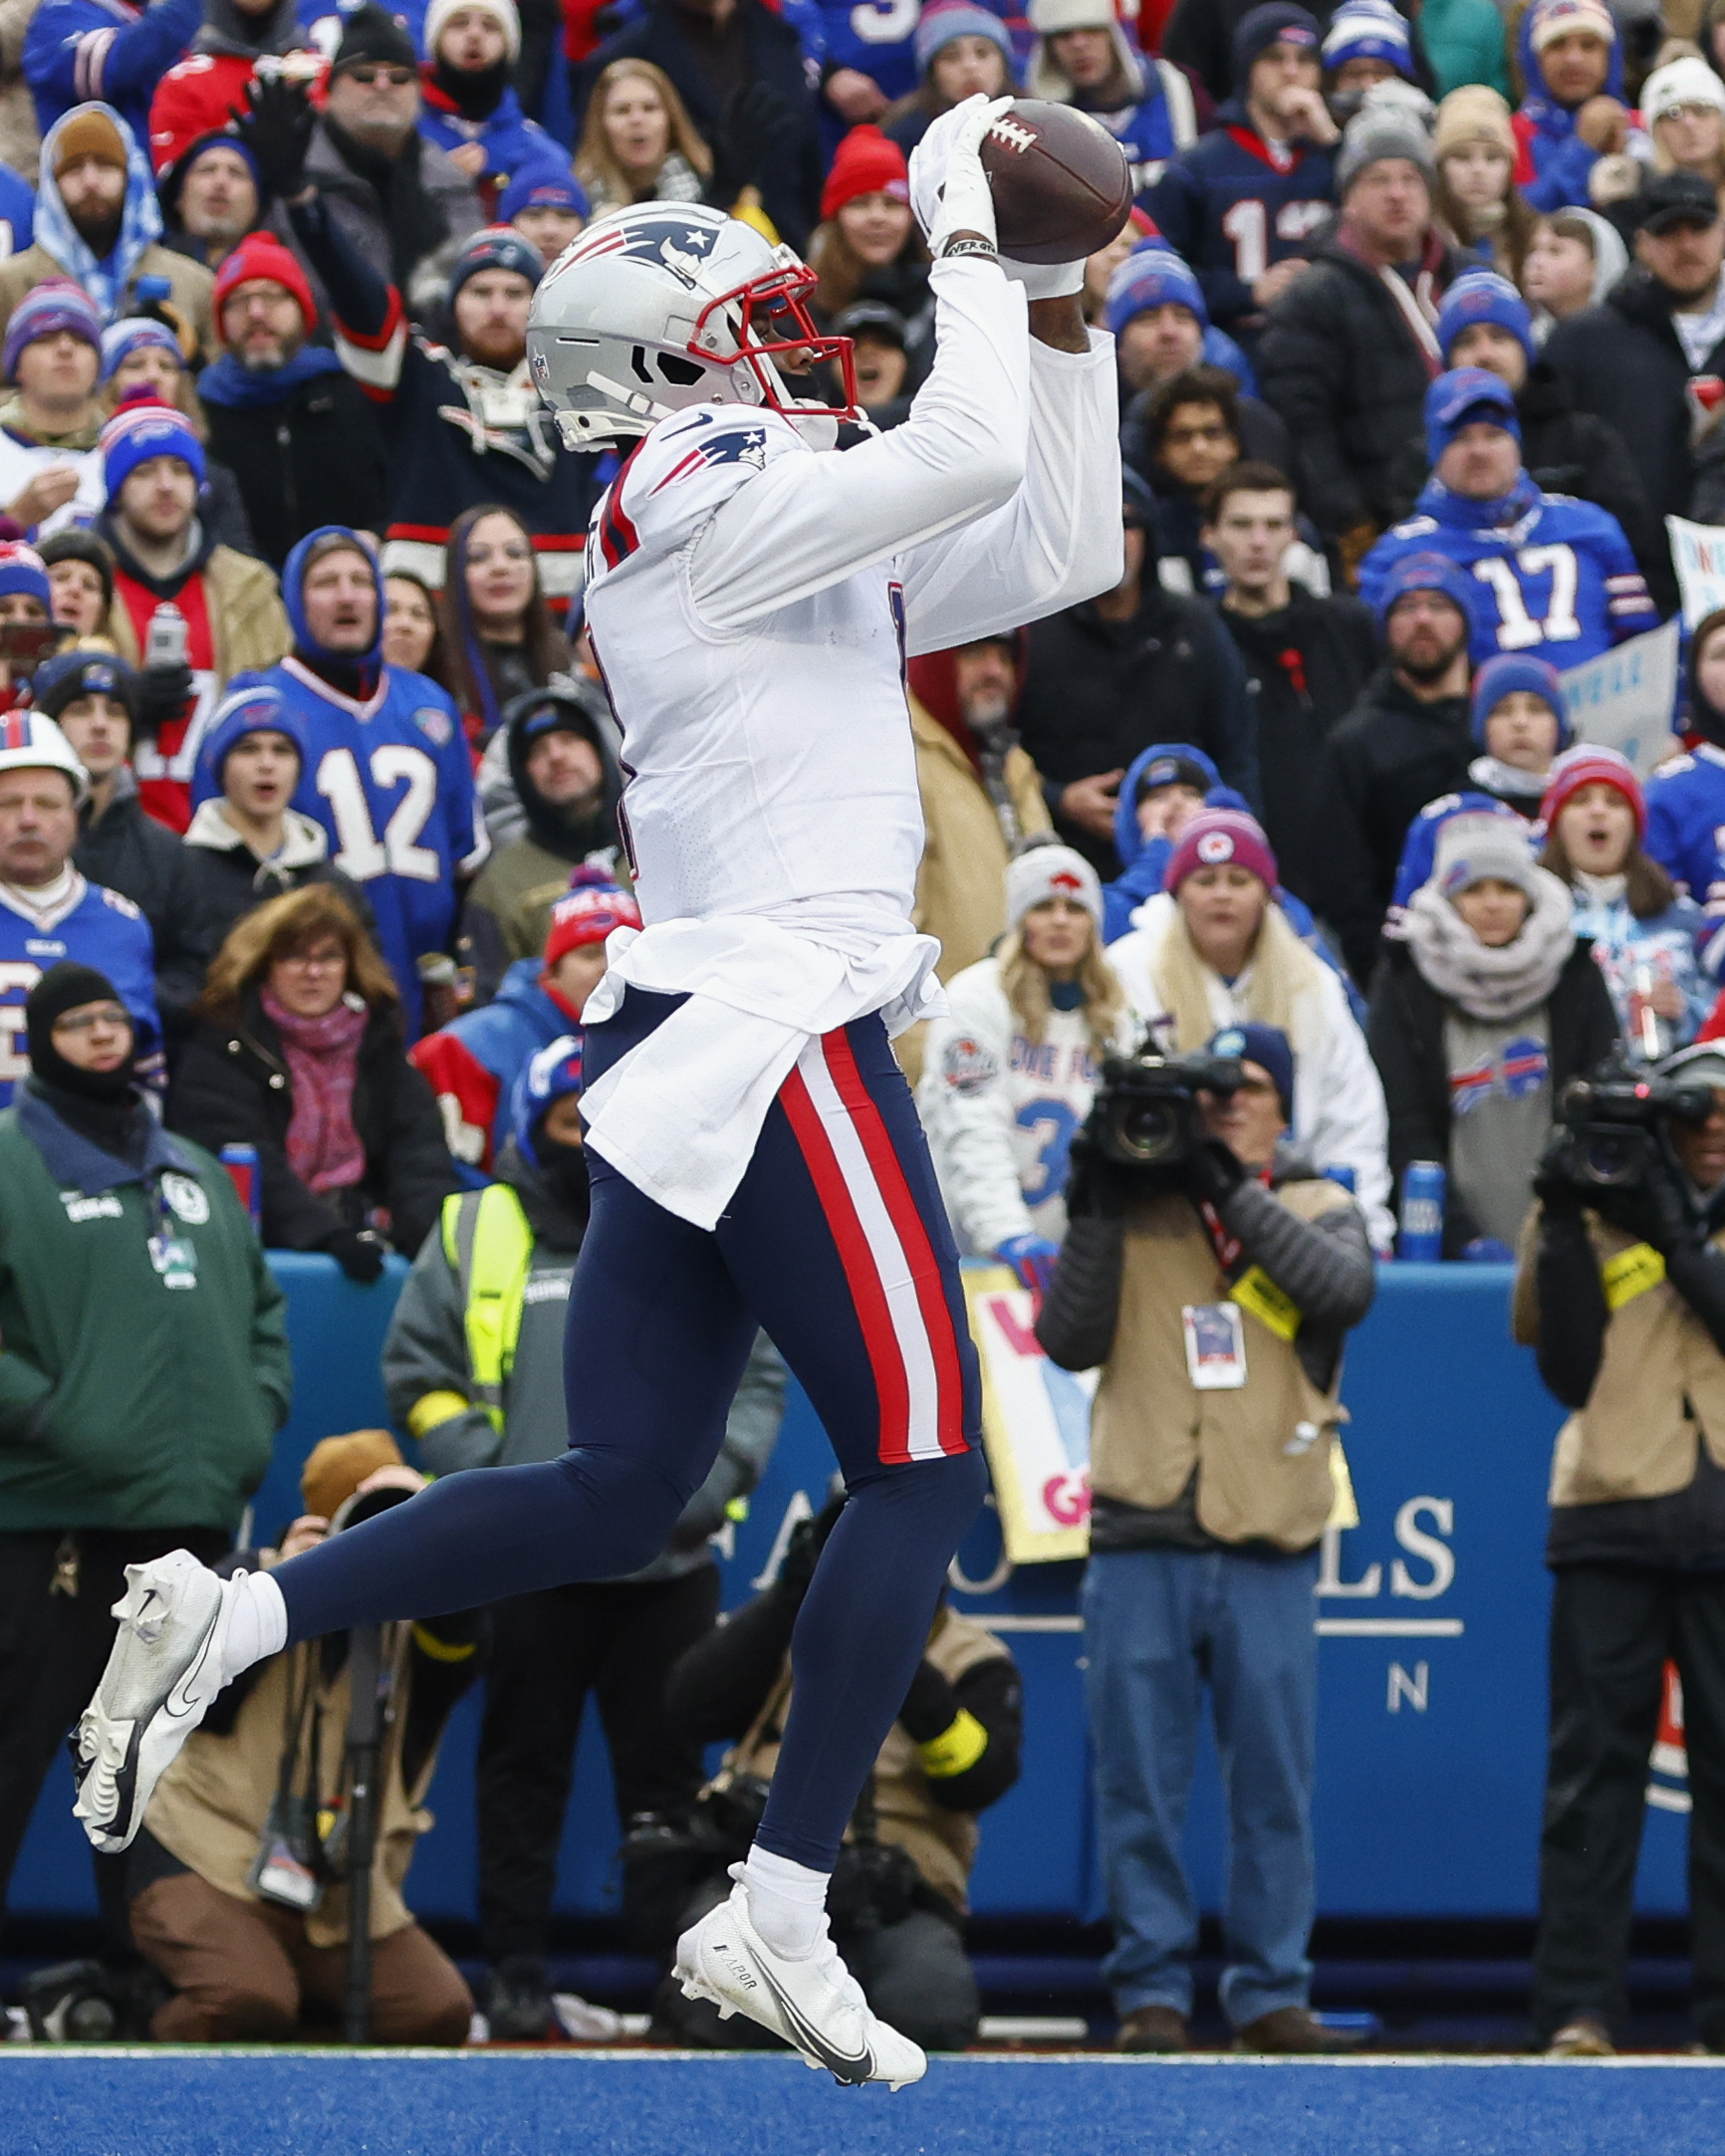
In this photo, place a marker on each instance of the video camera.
(1613, 1116)
(1147, 1114)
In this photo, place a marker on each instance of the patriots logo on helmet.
(676, 244)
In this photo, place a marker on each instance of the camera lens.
(1610, 1158)
(1148, 1130)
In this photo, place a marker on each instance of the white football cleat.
(816, 2005)
(164, 1671)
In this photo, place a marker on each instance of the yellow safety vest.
(489, 1246)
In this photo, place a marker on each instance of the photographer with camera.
(238, 1877)
(1621, 1293)
(899, 1895)
(1214, 1275)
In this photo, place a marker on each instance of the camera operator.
(1214, 1276)
(899, 1895)
(1621, 1292)
(236, 1876)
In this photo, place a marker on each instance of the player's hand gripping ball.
(1060, 180)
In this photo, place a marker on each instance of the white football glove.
(949, 190)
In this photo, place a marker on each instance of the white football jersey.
(751, 601)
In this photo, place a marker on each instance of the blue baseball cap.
(1462, 396)
(1266, 1045)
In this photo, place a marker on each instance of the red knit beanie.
(866, 162)
(259, 254)
(587, 915)
(1587, 765)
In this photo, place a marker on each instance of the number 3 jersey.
(1001, 1109)
(1551, 575)
(391, 782)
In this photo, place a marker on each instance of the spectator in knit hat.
(299, 435)
(1521, 724)
(50, 465)
(547, 205)
(468, 105)
(559, 749)
(1485, 321)
(94, 697)
(210, 198)
(1215, 949)
(462, 423)
(1407, 741)
(1474, 188)
(1480, 1017)
(1574, 111)
(1647, 941)
(142, 353)
(1553, 575)
(223, 608)
(867, 245)
(195, 100)
(1350, 350)
(1243, 205)
(1082, 57)
(1683, 108)
(98, 222)
(1365, 44)
(741, 75)
(962, 51)
(473, 1063)
(1156, 313)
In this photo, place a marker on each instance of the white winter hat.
(1048, 18)
(1685, 82)
(1050, 872)
(31, 741)
(502, 13)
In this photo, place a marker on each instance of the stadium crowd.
(308, 847)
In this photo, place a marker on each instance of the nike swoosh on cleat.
(854, 2067)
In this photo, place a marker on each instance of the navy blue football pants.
(836, 1242)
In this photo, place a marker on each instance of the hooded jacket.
(1553, 167)
(472, 1064)
(1159, 116)
(1143, 862)
(509, 907)
(1341, 362)
(1623, 360)
(60, 251)
(1095, 692)
(233, 1088)
(228, 881)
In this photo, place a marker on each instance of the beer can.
(242, 1162)
(1423, 1184)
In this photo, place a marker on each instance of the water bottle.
(242, 1162)
(168, 637)
(1423, 1184)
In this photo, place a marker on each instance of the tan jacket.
(1263, 1450)
(940, 1843)
(1661, 1390)
(210, 1806)
(961, 881)
(191, 285)
(248, 623)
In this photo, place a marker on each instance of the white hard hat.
(31, 741)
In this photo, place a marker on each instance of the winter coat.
(1387, 758)
(1555, 163)
(961, 879)
(1623, 360)
(789, 169)
(129, 852)
(191, 285)
(1406, 1035)
(472, 1063)
(248, 623)
(313, 457)
(227, 881)
(1095, 692)
(233, 1088)
(1306, 666)
(129, 1397)
(452, 212)
(1339, 1115)
(1340, 362)
(508, 138)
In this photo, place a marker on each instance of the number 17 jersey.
(390, 780)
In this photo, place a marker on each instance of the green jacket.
(129, 1397)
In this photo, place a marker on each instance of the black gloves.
(164, 693)
(1652, 1207)
(1212, 1172)
(1094, 1186)
(755, 120)
(1555, 1183)
(358, 1250)
(276, 127)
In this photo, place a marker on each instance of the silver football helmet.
(670, 305)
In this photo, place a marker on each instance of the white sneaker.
(164, 1671)
(816, 2005)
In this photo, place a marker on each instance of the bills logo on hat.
(1231, 1043)
(1065, 881)
(1216, 847)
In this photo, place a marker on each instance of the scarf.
(322, 1057)
(140, 228)
(1493, 985)
(474, 93)
(1461, 513)
(240, 388)
(416, 221)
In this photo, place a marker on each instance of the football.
(1059, 181)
